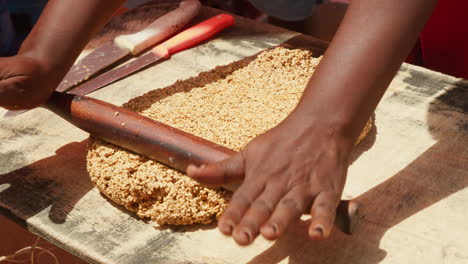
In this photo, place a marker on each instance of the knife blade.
(181, 41)
(123, 45)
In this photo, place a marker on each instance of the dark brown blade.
(115, 74)
(102, 57)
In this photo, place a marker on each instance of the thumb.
(220, 173)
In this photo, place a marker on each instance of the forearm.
(63, 30)
(374, 39)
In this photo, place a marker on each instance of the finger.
(238, 205)
(323, 214)
(224, 172)
(13, 95)
(287, 211)
(259, 212)
(10, 91)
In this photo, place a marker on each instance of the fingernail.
(226, 228)
(191, 167)
(196, 166)
(270, 229)
(317, 231)
(242, 236)
(247, 235)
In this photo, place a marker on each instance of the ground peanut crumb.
(229, 105)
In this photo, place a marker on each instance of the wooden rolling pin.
(155, 140)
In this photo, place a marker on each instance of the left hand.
(25, 82)
(286, 171)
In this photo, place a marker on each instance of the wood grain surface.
(411, 173)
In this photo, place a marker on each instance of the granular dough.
(229, 105)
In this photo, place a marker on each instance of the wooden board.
(411, 173)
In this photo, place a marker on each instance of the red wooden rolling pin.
(155, 140)
(135, 132)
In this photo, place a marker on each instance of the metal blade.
(103, 56)
(13, 113)
(115, 74)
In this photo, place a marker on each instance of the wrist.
(333, 132)
(42, 58)
(328, 122)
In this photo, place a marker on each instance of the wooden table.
(411, 173)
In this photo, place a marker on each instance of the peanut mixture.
(229, 105)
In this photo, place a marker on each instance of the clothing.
(285, 9)
(7, 33)
(444, 40)
(443, 44)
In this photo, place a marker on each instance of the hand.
(286, 171)
(24, 82)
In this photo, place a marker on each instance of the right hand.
(296, 167)
(25, 82)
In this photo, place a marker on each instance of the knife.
(123, 45)
(181, 41)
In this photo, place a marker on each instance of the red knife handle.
(193, 35)
(156, 140)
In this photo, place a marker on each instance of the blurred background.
(16, 19)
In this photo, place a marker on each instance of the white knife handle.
(160, 29)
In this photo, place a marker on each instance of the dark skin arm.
(64, 28)
(301, 164)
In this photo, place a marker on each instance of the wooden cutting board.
(411, 173)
